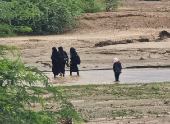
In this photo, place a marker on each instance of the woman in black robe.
(56, 61)
(64, 58)
(74, 61)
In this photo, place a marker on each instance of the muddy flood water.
(107, 77)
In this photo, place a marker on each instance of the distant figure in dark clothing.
(117, 67)
(75, 59)
(64, 60)
(56, 61)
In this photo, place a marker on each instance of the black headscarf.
(73, 52)
(54, 51)
(54, 54)
(61, 51)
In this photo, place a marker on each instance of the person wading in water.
(56, 62)
(64, 59)
(75, 59)
(117, 67)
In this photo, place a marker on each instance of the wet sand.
(107, 77)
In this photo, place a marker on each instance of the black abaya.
(64, 58)
(73, 62)
(56, 62)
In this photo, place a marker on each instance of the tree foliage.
(18, 92)
(90, 6)
(46, 16)
(55, 16)
(111, 5)
(37, 16)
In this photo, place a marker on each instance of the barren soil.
(131, 34)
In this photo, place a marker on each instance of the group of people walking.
(60, 59)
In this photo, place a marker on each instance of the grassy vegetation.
(125, 112)
(119, 91)
(116, 100)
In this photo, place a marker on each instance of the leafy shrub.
(15, 17)
(55, 16)
(46, 16)
(18, 92)
(38, 17)
(6, 30)
(90, 6)
(111, 5)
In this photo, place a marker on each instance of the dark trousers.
(117, 76)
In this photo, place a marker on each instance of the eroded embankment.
(162, 35)
(123, 21)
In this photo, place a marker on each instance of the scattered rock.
(144, 40)
(166, 101)
(168, 51)
(164, 35)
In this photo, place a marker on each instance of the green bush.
(111, 5)
(55, 16)
(18, 93)
(37, 17)
(6, 30)
(15, 17)
(90, 6)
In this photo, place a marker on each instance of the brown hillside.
(133, 15)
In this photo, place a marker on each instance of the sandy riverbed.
(131, 34)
